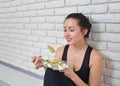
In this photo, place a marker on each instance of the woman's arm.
(74, 77)
(96, 66)
(59, 53)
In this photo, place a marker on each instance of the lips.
(68, 39)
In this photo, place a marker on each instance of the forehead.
(70, 21)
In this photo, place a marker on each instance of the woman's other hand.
(38, 61)
(69, 72)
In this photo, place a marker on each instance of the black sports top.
(55, 78)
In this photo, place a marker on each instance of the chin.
(70, 43)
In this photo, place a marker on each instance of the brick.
(30, 13)
(31, 26)
(109, 55)
(98, 45)
(77, 2)
(3, 10)
(61, 41)
(59, 27)
(4, 20)
(26, 43)
(114, 0)
(102, 84)
(85, 9)
(115, 73)
(33, 49)
(32, 38)
(21, 47)
(23, 20)
(4, 30)
(99, 8)
(55, 34)
(6, 4)
(46, 26)
(2, 35)
(42, 0)
(98, 27)
(48, 39)
(28, 1)
(99, 1)
(114, 37)
(38, 19)
(66, 10)
(25, 32)
(113, 65)
(53, 19)
(8, 45)
(114, 47)
(113, 28)
(22, 8)
(45, 53)
(4, 39)
(112, 81)
(54, 4)
(13, 51)
(114, 7)
(39, 32)
(28, 53)
(15, 41)
(100, 36)
(17, 26)
(13, 20)
(106, 18)
(15, 3)
(7, 15)
(41, 45)
(45, 12)
(11, 9)
(17, 14)
(22, 37)
(111, 37)
(37, 6)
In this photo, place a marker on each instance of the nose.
(66, 34)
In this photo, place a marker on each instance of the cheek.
(78, 36)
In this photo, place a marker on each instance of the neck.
(79, 46)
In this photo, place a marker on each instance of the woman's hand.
(37, 61)
(69, 72)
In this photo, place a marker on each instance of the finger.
(40, 56)
(38, 66)
(38, 61)
(33, 59)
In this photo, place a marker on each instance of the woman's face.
(72, 32)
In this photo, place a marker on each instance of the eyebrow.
(69, 26)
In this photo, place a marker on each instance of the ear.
(84, 31)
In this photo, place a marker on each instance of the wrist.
(72, 76)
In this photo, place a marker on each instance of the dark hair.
(83, 21)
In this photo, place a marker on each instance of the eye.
(72, 30)
(65, 30)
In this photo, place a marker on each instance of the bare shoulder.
(96, 67)
(59, 52)
(96, 57)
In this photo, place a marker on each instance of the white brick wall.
(27, 27)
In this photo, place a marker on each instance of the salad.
(56, 64)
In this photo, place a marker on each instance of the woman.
(86, 62)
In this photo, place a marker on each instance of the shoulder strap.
(87, 56)
(64, 57)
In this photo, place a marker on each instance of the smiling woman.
(86, 62)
